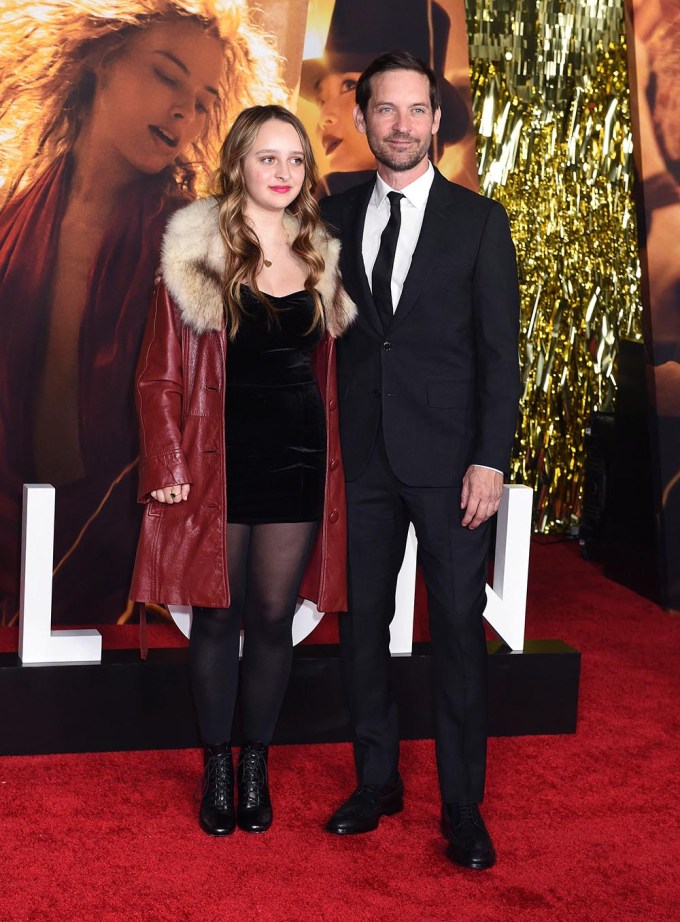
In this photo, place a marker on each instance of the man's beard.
(399, 163)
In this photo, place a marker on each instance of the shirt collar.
(416, 193)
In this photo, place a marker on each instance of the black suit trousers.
(453, 560)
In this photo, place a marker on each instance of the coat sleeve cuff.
(162, 470)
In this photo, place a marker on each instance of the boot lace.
(216, 782)
(253, 770)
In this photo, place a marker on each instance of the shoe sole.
(253, 830)
(220, 834)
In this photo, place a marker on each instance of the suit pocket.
(449, 394)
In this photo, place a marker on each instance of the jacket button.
(375, 392)
(387, 346)
(334, 516)
(334, 463)
(332, 404)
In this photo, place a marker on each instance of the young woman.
(239, 449)
(109, 114)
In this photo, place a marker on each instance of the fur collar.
(192, 262)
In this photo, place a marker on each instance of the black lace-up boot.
(254, 805)
(216, 816)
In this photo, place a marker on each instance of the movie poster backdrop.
(111, 116)
(655, 71)
(98, 149)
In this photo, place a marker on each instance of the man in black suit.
(428, 389)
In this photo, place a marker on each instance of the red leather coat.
(182, 551)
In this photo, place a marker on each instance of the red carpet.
(586, 826)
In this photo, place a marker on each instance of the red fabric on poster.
(98, 567)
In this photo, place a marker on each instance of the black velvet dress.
(274, 415)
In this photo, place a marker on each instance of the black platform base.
(125, 703)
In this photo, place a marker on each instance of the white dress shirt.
(412, 213)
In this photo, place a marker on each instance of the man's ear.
(436, 120)
(359, 122)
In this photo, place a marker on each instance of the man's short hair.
(395, 60)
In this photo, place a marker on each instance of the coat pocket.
(449, 394)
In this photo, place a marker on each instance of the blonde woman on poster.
(111, 114)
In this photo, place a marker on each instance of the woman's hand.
(174, 494)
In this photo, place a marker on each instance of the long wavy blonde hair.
(244, 254)
(48, 52)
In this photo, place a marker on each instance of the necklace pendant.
(268, 263)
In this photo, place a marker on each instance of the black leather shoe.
(470, 844)
(254, 805)
(217, 816)
(362, 812)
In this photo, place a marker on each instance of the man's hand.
(174, 494)
(481, 496)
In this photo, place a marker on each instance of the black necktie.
(382, 270)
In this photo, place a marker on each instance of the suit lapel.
(357, 282)
(435, 237)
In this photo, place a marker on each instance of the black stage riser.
(126, 704)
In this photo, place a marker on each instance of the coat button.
(375, 392)
(334, 516)
(387, 346)
(334, 463)
(332, 403)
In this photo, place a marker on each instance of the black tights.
(266, 564)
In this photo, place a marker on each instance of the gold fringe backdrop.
(550, 96)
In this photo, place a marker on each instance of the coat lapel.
(435, 237)
(357, 282)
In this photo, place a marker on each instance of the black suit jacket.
(445, 372)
